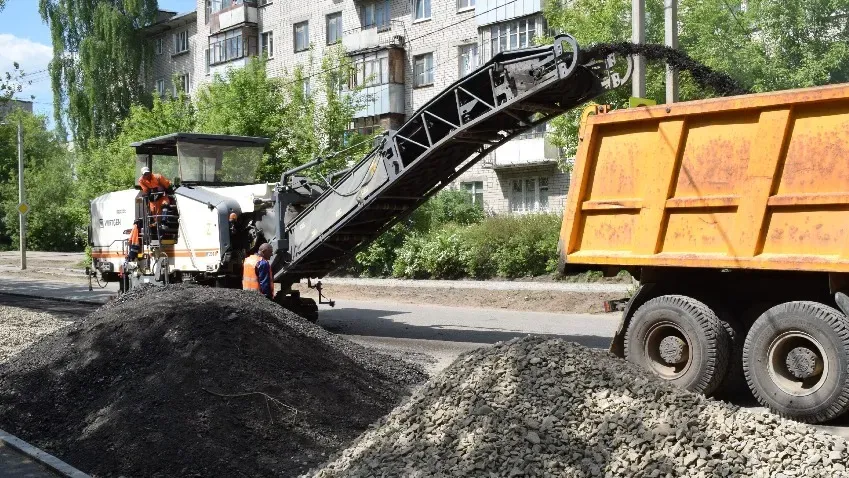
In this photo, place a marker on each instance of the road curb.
(51, 462)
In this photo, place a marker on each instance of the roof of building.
(167, 145)
(171, 20)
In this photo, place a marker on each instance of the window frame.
(427, 70)
(474, 190)
(159, 46)
(512, 31)
(337, 16)
(538, 188)
(263, 47)
(461, 54)
(306, 35)
(470, 5)
(180, 38)
(159, 86)
(427, 10)
(185, 81)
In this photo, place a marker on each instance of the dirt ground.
(536, 301)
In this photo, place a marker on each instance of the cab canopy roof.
(167, 145)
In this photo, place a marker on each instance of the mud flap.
(644, 293)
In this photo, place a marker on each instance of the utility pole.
(670, 35)
(638, 36)
(22, 207)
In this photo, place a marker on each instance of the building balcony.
(381, 99)
(242, 13)
(494, 11)
(376, 37)
(528, 150)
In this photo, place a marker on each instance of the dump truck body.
(733, 214)
(756, 182)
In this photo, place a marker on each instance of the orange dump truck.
(733, 215)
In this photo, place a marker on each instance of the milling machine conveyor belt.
(508, 95)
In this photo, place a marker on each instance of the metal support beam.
(638, 35)
(670, 36)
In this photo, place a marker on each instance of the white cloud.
(33, 59)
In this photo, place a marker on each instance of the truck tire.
(795, 359)
(309, 309)
(680, 340)
(735, 380)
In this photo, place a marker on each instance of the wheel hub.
(802, 362)
(672, 350)
(797, 362)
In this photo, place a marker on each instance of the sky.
(26, 39)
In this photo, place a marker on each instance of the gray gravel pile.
(21, 327)
(537, 407)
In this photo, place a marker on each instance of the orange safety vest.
(250, 281)
(155, 181)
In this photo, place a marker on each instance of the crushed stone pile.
(20, 327)
(539, 407)
(191, 381)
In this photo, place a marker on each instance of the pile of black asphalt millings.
(539, 407)
(191, 381)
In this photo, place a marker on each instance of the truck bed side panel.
(758, 181)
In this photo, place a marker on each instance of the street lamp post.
(22, 207)
(670, 33)
(638, 36)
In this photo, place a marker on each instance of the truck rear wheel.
(681, 340)
(795, 359)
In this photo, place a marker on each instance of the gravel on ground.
(545, 407)
(192, 381)
(21, 327)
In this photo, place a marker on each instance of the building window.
(267, 44)
(529, 195)
(334, 28)
(422, 10)
(208, 62)
(465, 4)
(513, 35)
(160, 87)
(181, 83)
(468, 58)
(181, 42)
(368, 125)
(375, 14)
(370, 71)
(158, 46)
(475, 189)
(537, 131)
(215, 6)
(302, 36)
(424, 69)
(231, 45)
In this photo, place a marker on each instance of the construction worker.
(155, 183)
(135, 241)
(256, 272)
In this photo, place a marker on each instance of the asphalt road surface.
(436, 335)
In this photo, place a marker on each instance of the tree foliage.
(769, 45)
(99, 52)
(52, 223)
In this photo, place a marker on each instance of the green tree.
(767, 46)
(109, 165)
(48, 181)
(99, 51)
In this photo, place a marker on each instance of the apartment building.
(406, 52)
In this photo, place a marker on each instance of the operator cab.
(187, 160)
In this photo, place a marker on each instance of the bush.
(443, 253)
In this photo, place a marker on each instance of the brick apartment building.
(409, 49)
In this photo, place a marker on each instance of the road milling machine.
(218, 214)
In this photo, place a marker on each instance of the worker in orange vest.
(256, 272)
(135, 241)
(155, 183)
